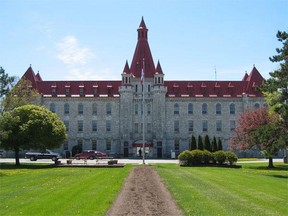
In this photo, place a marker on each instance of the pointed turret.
(158, 68)
(30, 75)
(254, 79)
(142, 51)
(126, 68)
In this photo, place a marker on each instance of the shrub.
(207, 143)
(185, 158)
(197, 156)
(207, 156)
(231, 157)
(219, 156)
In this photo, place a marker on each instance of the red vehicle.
(90, 154)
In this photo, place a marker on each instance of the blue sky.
(91, 40)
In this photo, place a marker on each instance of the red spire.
(254, 79)
(142, 51)
(158, 68)
(126, 68)
(30, 75)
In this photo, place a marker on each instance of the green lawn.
(250, 190)
(45, 190)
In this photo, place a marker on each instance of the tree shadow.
(7, 166)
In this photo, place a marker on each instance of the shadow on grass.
(26, 166)
(277, 167)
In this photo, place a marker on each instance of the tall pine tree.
(200, 143)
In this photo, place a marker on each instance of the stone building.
(108, 115)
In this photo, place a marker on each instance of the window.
(66, 123)
(67, 91)
(136, 109)
(53, 107)
(176, 108)
(81, 91)
(148, 127)
(80, 144)
(149, 109)
(80, 126)
(190, 125)
(176, 126)
(108, 145)
(80, 109)
(256, 105)
(136, 129)
(232, 125)
(218, 109)
(94, 144)
(232, 109)
(108, 126)
(190, 108)
(94, 125)
(94, 109)
(108, 109)
(65, 147)
(136, 88)
(204, 108)
(218, 125)
(53, 91)
(66, 109)
(176, 145)
(204, 125)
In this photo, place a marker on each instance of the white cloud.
(72, 53)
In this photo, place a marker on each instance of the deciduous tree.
(258, 128)
(31, 126)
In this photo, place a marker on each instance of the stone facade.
(108, 115)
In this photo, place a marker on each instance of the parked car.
(43, 155)
(90, 154)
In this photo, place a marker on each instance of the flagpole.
(143, 111)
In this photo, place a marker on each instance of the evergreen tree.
(6, 82)
(193, 143)
(219, 144)
(214, 145)
(200, 143)
(207, 144)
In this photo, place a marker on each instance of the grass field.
(44, 190)
(250, 190)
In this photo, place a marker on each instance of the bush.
(207, 157)
(219, 156)
(185, 158)
(231, 157)
(197, 156)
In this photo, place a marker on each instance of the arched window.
(94, 109)
(204, 108)
(190, 108)
(218, 109)
(136, 109)
(176, 108)
(108, 109)
(80, 109)
(256, 105)
(149, 109)
(53, 107)
(66, 109)
(232, 108)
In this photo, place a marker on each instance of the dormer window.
(81, 91)
(53, 92)
(67, 91)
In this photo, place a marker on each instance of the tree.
(207, 144)
(214, 144)
(276, 87)
(261, 129)
(219, 144)
(200, 143)
(31, 126)
(193, 143)
(6, 82)
(21, 94)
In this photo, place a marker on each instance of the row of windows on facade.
(109, 144)
(138, 127)
(190, 108)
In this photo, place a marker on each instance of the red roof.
(174, 88)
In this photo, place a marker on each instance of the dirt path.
(144, 194)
